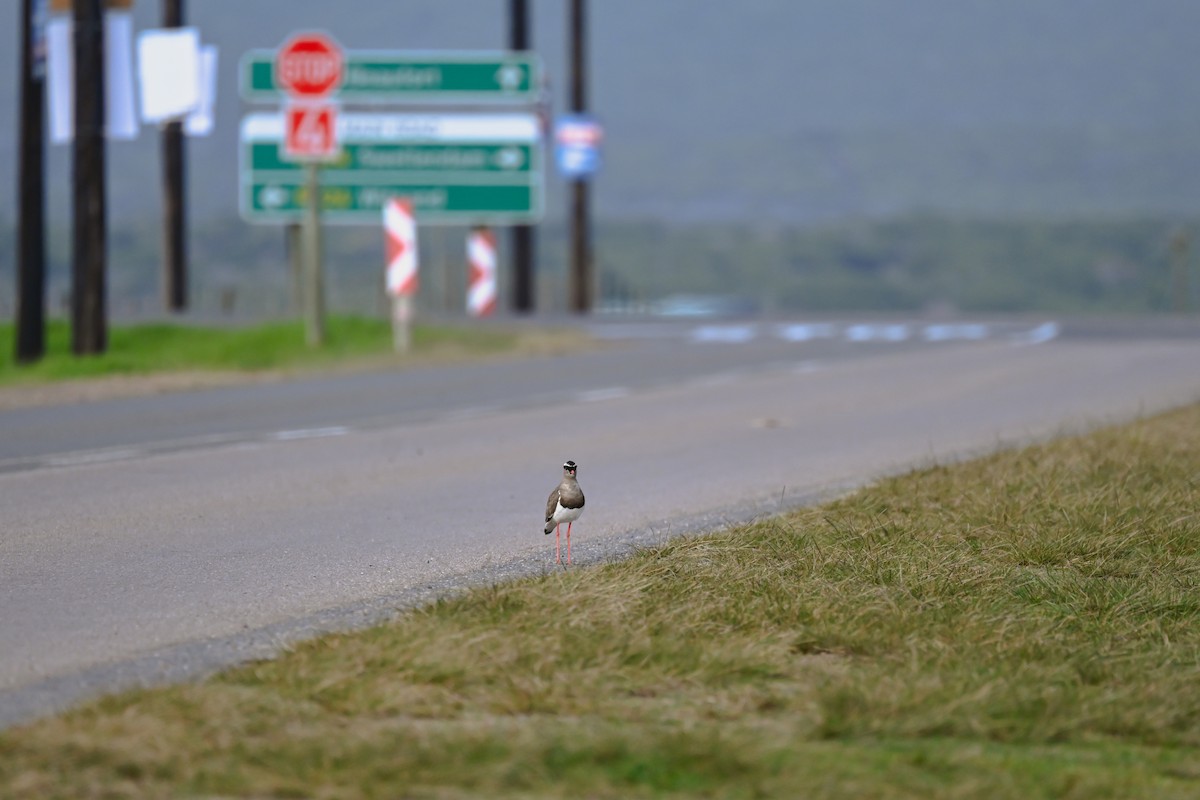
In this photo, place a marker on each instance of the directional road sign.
(456, 168)
(403, 76)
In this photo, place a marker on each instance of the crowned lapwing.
(565, 504)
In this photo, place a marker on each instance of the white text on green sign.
(457, 169)
(414, 76)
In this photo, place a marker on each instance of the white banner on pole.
(169, 73)
(200, 122)
(120, 117)
(59, 80)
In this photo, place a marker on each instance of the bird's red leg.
(568, 543)
(557, 548)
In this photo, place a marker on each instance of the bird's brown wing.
(552, 503)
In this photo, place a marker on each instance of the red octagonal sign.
(309, 65)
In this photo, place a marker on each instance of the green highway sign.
(456, 168)
(363, 203)
(363, 158)
(370, 76)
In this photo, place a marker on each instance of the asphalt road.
(153, 539)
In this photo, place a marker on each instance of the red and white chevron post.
(400, 237)
(481, 280)
(400, 233)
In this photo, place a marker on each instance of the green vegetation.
(908, 264)
(279, 346)
(1022, 626)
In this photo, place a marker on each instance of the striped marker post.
(400, 238)
(481, 279)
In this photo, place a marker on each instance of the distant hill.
(778, 110)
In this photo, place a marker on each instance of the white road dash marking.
(309, 433)
(971, 331)
(471, 412)
(732, 334)
(1042, 333)
(866, 332)
(597, 395)
(805, 332)
(94, 457)
(717, 379)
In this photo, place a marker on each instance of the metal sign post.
(309, 67)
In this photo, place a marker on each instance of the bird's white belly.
(566, 514)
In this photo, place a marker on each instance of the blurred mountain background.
(979, 155)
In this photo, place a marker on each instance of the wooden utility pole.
(89, 331)
(174, 269)
(581, 248)
(31, 214)
(523, 239)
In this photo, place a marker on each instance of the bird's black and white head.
(569, 468)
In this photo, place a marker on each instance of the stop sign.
(309, 65)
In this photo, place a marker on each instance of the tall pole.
(581, 249)
(174, 268)
(31, 248)
(523, 239)
(89, 215)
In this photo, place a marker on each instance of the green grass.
(1022, 626)
(160, 348)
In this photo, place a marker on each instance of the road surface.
(154, 539)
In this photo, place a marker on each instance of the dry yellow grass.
(1026, 625)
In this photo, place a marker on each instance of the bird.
(565, 504)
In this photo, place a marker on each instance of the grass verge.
(1022, 626)
(279, 346)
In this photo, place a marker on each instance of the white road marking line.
(309, 433)
(877, 333)
(805, 332)
(971, 331)
(471, 412)
(716, 379)
(94, 457)
(1039, 335)
(597, 395)
(735, 334)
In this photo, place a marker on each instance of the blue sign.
(577, 140)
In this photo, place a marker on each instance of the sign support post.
(314, 277)
(310, 68)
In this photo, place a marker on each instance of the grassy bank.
(1023, 626)
(278, 346)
